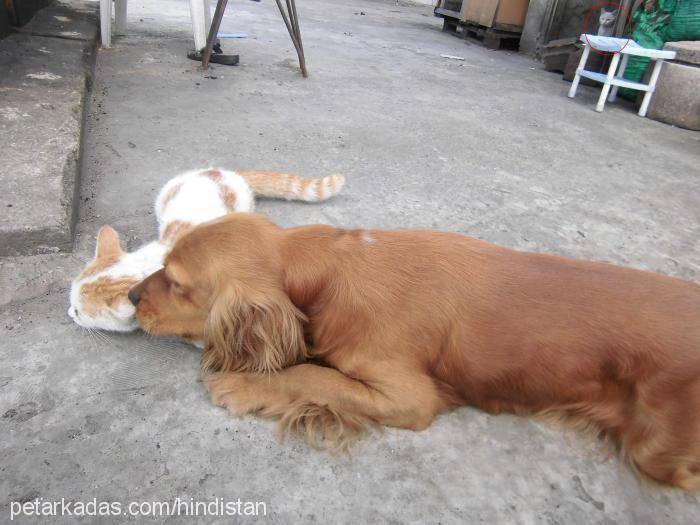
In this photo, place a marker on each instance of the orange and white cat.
(98, 295)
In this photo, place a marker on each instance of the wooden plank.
(489, 37)
(482, 12)
(446, 12)
(508, 27)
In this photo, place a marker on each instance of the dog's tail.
(292, 187)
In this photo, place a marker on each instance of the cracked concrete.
(490, 146)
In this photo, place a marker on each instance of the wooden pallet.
(491, 37)
(451, 25)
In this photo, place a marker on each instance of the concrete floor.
(489, 146)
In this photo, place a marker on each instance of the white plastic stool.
(201, 21)
(106, 20)
(624, 47)
(199, 11)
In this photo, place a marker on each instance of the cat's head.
(99, 295)
(607, 18)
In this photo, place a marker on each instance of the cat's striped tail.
(292, 187)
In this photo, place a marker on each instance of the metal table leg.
(292, 22)
(213, 31)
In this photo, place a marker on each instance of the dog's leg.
(663, 437)
(321, 400)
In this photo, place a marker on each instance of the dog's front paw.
(233, 391)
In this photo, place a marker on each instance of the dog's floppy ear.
(253, 332)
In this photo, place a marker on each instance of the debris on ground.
(453, 57)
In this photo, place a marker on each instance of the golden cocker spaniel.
(333, 331)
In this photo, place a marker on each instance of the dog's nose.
(133, 296)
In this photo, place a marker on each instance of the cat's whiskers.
(91, 337)
(99, 337)
(105, 338)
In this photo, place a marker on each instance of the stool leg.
(652, 87)
(106, 22)
(606, 87)
(201, 19)
(581, 65)
(620, 73)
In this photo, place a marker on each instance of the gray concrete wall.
(568, 21)
(534, 24)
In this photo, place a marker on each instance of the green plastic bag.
(649, 24)
(685, 21)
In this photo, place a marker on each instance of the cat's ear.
(107, 243)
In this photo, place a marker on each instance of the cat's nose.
(133, 296)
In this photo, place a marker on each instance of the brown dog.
(403, 325)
